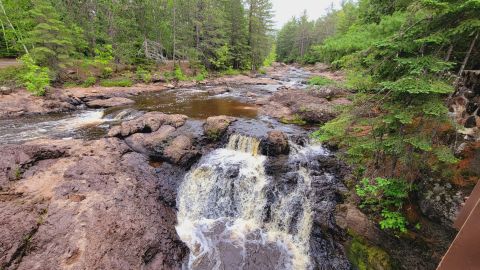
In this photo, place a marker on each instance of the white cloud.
(286, 9)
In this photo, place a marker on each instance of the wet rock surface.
(109, 102)
(216, 126)
(89, 205)
(275, 144)
(303, 105)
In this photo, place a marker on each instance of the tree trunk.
(465, 61)
(174, 31)
(13, 28)
(449, 53)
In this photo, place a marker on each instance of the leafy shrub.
(36, 79)
(103, 54)
(116, 83)
(272, 56)
(222, 58)
(231, 72)
(202, 75)
(393, 221)
(320, 81)
(11, 76)
(144, 75)
(179, 75)
(107, 72)
(387, 196)
(90, 81)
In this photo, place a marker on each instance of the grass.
(116, 83)
(11, 76)
(321, 81)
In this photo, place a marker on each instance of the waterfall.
(232, 216)
(244, 144)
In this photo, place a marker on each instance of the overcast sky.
(286, 9)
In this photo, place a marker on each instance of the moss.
(367, 257)
(116, 83)
(214, 134)
(18, 173)
(294, 119)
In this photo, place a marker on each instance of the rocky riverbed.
(209, 176)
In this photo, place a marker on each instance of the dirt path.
(8, 62)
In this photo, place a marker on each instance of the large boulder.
(147, 123)
(110, 102)
(180, 150)
(160, 136)
(276, 143)
(216, 126)
(98, 206)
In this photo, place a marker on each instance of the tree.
(50, 40)
(259, 29)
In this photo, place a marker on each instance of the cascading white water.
(222, 216)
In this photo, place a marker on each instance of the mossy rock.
(294, 120)
(368, 257)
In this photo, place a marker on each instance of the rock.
(4, 90)
(216, 126)
(180, 151)
(171, 86)
(97, 206)
(151, 144)
(349, 217)
(219, 90)
(298, 106)
(147, 123)
(110, 102)
(275, 144)
(16, 159)
(316, 113)
(471, 122)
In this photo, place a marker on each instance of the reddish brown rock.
(275, 144)
(97, 206)
(109, 102)
(216, 126)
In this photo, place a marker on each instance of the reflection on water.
(193, 103)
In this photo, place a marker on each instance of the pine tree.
(50, 40)
(259, 29)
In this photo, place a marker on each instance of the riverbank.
(146, 188)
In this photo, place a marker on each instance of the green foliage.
(11, 76)
(90, 81)
(295, 119)
(321, 81)
(393, 221)
(143, 75)
(116, 83)
(386, 196)
(222, 58)
(36, 79)
(231, 72)
(106, 72)
(179, 75)
(51, 41)
(103, 54)
(382, 192)
(272, 56)
(202, 75)
(367, 257)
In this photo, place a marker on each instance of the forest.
(348, 141)
(403, 59)
(214, 35)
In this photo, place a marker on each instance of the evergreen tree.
(50, 40)
(259, 29)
